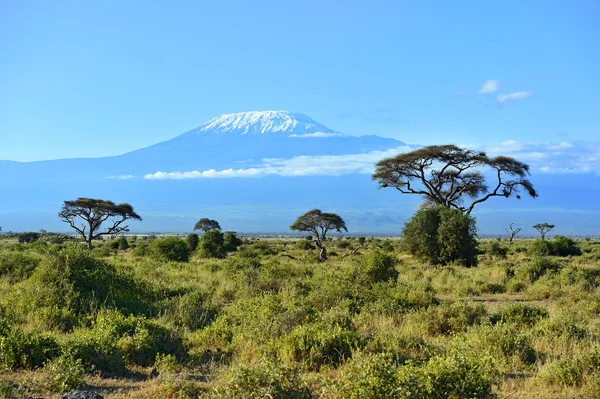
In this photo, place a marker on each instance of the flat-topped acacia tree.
(446, 175)
(94, 212)
(318, 224)
(206, 225)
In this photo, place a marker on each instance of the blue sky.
(80, 79)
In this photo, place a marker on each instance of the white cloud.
(513, 96)
(489, 86)
(331, 165)
(564, 157)
(122, 177)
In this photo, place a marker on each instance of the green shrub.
(521, 314)
(265, 379)
(448, 318)
(498, 250)
(191, 310)
(319, 344)
(64, 374)
(441, 235)
(231, 241)
(192, 240)
(564, 246)
(304, 245)
(71, 282)
(541, 248)
(377, 267)
(572, 372)
(170, 249)
(369, 376)
(17, 266)
(20, 349)
(538, 267)
(212, 244)
(122, 243)
(394, 298)
(452, 376)
(28, 237)
(565, 325)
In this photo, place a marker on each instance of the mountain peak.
(261, 122)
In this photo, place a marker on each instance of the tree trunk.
(323, 253)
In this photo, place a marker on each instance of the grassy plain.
(270, 321)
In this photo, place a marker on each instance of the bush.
(64, 374)
(564, 246)
(539, 266)
(521, 314)
(448, 318)
(70, 283)
(377, 267)
(170, 249)
(29, 237)
(212, 244)
(17, 265)
(441, 235)
(369, 376)
(394, 298)
(192, 241)
(19, 349)
(498, 250)
(559, 246)
(572, 372)
(121, 243)
(304, 245)
(265, 379)
(452, 376)
(319, 344)
(231, 241)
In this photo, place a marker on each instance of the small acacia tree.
(543, 229)
(206, 224)
(318, 224)
(446, 175)
(94, 212)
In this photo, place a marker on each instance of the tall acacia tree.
(318, 224)
(94, 212)
(446, 175)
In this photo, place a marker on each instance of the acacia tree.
(206, 224)
(445, 175)
(94, 212)
(318, 224)
(543, 229)
(512, 233)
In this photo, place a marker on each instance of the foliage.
(19, 349)
(17, 266)
(231, 241)
(65, 373)
(521, 314)
(206, 225)
(192, 240)
(369, 376)
(378, 267)
(266, 379)
(212, 244)
(441, 235)
(170, 249)
(445, 175)
(28, 237)
(318, 224)
(70, 283)
(543, 229)
(94, 212)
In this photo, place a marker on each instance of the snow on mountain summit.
(260, 122)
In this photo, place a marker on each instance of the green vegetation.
(150, 318)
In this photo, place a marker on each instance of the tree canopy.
(446, 175)
(94, 212)
(206, 225)
(543, 229)
(318, 224)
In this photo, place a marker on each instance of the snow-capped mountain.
(252, 171)
(261, 122)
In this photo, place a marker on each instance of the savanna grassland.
(270, 321)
